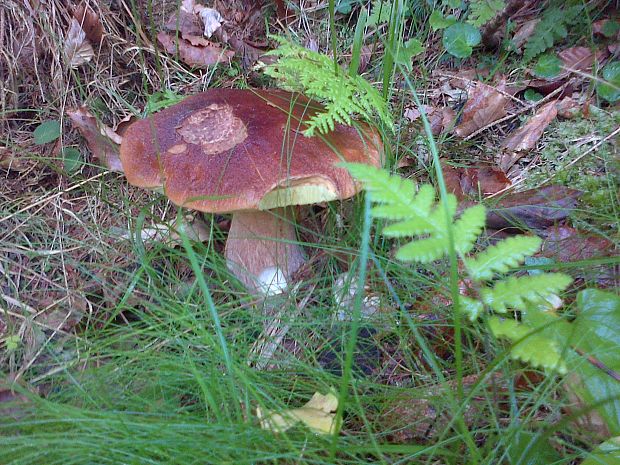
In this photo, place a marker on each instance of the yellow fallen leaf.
(318, 414)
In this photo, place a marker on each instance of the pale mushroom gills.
(243, 152)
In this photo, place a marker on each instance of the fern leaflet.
(529, 347)
(312, 73)
(502, 257)
(517, 291)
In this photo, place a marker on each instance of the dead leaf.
(485, 104)
(474, 181)
(185, 22)
(535, 209)
(78, 49)
(566, 244)
(90, 23)
(102, 141)
(527, 136)
(10, 160)
(577, 59)
(524, 32)
(199, 56)
(569, 108)
(365, 56)
(440, 119)
(318, 414)
(211, 19)
(599, 26)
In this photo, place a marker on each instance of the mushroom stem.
(262, 244)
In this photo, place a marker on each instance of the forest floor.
(121, 343)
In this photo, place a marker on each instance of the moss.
(597, 174)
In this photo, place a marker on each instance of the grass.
(143, 352)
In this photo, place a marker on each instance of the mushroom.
(242, 152)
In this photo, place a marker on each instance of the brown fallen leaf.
(485, 104)
(184, 21)
(474, 181)
(567, 244)
(577, 59)
(536, 209)
(77, 49)
(12, 161)
(90, 23)
(527, 136)
(569, 108)
(599, 26)
(102, 141)
(440, 119)
(201, 56)
(524, 32)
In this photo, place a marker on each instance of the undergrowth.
(170, 358)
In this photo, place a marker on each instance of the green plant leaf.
(460, 38)
(438, 21)
(528, 448)
(516, 292)
(610, 28)
(610, 90)
(597, 335)
(532, 96)
(405, 53)
(552, 27)
(547, 66)
(47, 131)
(598, 322)
(607, 453)
(482, 11)
(502, 257)
(344, 6)
(529, 346)
(71, 159)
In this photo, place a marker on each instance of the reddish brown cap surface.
(225, 150)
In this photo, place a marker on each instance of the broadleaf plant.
(314, 74)
(541, 337)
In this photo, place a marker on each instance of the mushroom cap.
(226, 150)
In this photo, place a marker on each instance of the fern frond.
(552, 27)
(516, 292)
(483, 11)
(312, 73)
(501, 257)
(468, 227)
(535, 349)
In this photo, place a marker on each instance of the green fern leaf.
(552, 27)
(468, 228)
(473, 308)
(423, 250)
(516, 292)
(483, 11)
(302, 70)
(383, 188)
(501, 257)
(534, 349)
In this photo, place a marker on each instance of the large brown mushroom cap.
(227, 150)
